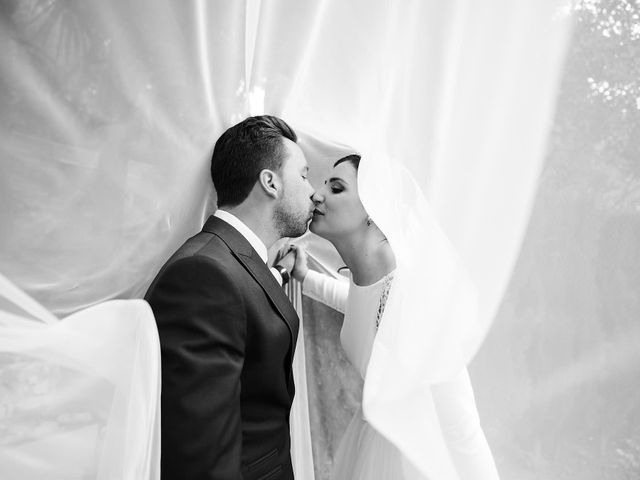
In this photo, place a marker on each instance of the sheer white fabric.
(363, 453)
(301, 454)
(448, 114)
(110, 111)
(80, 396)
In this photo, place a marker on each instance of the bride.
(364, 453)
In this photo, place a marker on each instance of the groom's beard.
(290, 223)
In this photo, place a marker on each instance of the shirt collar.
(257, 244)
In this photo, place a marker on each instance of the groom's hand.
(299, 268)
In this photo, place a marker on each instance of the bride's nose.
(317, 197)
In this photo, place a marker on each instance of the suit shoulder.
(204, 247)
(203, 257)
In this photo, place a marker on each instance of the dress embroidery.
(383, 298)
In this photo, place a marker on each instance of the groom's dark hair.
(243, 151)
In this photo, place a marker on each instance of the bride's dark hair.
(354, 159)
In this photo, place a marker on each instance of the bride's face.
(339, 211)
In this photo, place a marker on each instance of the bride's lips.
(317, 212)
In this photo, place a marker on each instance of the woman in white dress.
(363, 453)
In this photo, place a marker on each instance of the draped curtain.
(110, 111)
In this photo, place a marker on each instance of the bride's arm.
(321, 287)
(328, 290)
(461, 428)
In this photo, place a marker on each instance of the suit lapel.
(259, 271)
(249, 258)
(264, 277)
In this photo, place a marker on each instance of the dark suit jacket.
(227, 334)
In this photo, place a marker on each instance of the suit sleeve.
(202, 325)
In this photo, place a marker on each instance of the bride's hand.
(294, 259)
(300, 267)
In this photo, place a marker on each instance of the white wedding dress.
(364, 454)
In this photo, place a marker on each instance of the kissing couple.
(228, 331)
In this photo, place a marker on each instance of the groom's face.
(295, 207)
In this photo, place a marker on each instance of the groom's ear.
(270, 183)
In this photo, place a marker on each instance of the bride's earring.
(369, 221)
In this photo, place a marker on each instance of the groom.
(227, 330)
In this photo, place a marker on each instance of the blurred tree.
(557, 377)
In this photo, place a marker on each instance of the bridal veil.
(109, 114)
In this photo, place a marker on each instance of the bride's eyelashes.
(334, 186)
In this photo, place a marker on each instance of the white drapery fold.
(110, 111)
(452, 148)
(300, 424)
(454, 92)
(80, 396)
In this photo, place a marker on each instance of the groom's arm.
(202, 334)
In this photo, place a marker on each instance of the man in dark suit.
(227, 330)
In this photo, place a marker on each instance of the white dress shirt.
(257, 244)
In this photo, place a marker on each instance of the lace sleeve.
(388, 279)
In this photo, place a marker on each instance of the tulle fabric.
(110, 111)
(363, 454)
(79, 397)
(300, 425)
(430, 328)
(434, 124)
(363, 450)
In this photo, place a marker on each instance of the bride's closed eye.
(334, 186)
